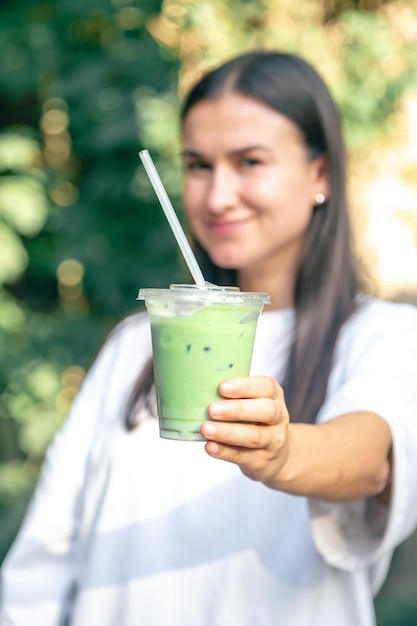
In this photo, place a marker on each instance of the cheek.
(192, 196)
(192, 204)
(278, 187)
(286, 193)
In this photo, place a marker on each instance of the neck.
(279, 286)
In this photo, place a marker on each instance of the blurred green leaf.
(23, 204)
(13, 256)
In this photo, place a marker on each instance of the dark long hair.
(327, 279)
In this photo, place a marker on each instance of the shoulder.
(374, 363)
(377, 319)
(132, 331)
(384, 309)
(124, 351)
(379, 339)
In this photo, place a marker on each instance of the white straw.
(172, 218)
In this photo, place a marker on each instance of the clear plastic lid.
(197, 294)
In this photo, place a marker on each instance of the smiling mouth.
(226, 228)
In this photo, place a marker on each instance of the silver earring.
(320, 198)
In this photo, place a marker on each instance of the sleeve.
(39, 572)
(375, 371)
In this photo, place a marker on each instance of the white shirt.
(128, 529)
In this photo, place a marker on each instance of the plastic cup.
(200, 337)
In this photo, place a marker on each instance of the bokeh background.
(84, 85)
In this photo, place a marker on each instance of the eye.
(249, 162)
(196, 165)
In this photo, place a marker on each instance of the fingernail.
(209, 430)
(216, 408)
(212, 448)
(228, 387)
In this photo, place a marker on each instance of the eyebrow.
(194, 153)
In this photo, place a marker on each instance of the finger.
(226, 453)
(242, 436)
(253, 463)
(258, 410)
(251, 387)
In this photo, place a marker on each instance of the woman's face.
(249, 186)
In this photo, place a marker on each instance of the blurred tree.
(79, 228)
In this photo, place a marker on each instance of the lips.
(229, 227)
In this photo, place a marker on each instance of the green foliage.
(377, 71)
(80, 230)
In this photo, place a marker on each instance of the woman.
(319, 486)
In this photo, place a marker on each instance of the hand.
(250, 427)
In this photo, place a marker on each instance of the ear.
(320, 176)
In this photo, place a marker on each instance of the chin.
(226, 262)
(227, 259)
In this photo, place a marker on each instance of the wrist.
(287, 471)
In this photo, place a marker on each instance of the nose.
(222, 191)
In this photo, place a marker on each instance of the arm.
(373, 377)
(343, 459)
(39, 573)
